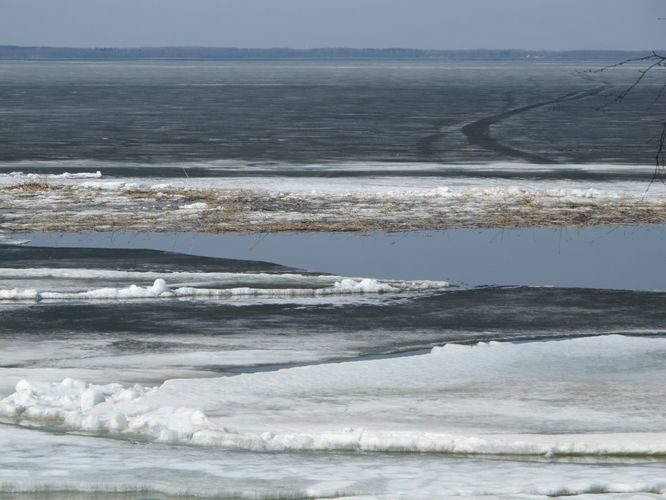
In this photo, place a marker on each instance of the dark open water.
(300, 113)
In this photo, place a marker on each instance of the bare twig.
(660, 161)
(655, 61)
(652, 56)
(638, 80)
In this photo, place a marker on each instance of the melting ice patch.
(194, 206)
(160, 289)
(8, 240)
(64, 175)
(37, 284)
(591, 396)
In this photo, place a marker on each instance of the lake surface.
(300, 114)
(522, 363)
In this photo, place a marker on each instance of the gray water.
(518, 285)
(288, 117)
(597, 257)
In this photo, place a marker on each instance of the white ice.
(324, 286)
(598, 396)
(40, 462)
(381, 184)
(43, 177)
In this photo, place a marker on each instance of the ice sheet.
(40, 462)
(590, 396)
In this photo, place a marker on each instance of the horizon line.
(297, 49)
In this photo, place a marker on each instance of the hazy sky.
(444, 24)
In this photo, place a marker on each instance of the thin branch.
(662, 88)
(643, 73)
(653, 55)
(657, 60)
(660, 160)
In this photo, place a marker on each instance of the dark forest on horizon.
(13, 52)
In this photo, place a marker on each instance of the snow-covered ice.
(497, 399)
(41, 462)
(328, 286)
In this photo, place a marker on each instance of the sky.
(425, 24)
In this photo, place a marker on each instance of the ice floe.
(492, 399)
(160, 289)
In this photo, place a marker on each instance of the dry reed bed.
(38, 206)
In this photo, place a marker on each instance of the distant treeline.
(9, 52)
